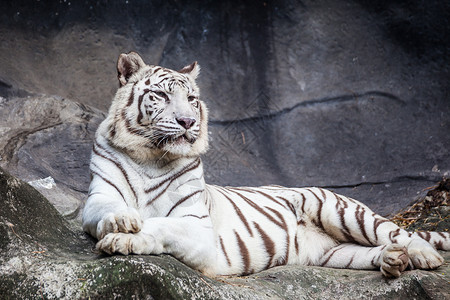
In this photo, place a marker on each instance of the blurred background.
(348, 95)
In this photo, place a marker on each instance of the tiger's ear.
(193, 70)
(127, 65)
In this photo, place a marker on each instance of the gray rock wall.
(349, 95)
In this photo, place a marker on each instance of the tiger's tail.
(439, 240)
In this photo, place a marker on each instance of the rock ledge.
(41, 256)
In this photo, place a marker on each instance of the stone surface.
(41, 257)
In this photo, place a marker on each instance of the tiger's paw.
(126, 243)
(394, 260)
(423, 255)
(128, 221)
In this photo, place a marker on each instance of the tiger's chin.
(177, 150)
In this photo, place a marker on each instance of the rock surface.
(42, 258)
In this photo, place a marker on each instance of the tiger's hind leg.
(421, 249)
(391, 259)
(350, 221)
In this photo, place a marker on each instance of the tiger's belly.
(259, 228)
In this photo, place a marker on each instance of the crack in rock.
(397, 179)
(19, 139)
(327, 100)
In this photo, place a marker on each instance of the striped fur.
(148, 196)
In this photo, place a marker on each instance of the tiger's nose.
(185, 122)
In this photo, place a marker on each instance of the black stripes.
(284, 226)
(269, 244)
(350, 262)
(259, 212)
(289, 205)
(108, 182)
(244, 254)
(131, 97)
(140, 108)
(341, 207)
(224, 251)
(117, 172)
(257, 207)
(125, 118)
(190, 167)
(330, 254)
(424, 235)
(170, 179)
(319, 210)
(376, 223)
(393, 235)
(359, 215)
(238, 212)
(195, 216)
(109, 156)
(182, 200)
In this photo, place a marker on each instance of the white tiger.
(148, 195)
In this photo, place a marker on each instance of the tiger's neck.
(178, 184)
(159, 183)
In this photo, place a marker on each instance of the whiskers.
(158, 139)
(162, 156)
(169, 137)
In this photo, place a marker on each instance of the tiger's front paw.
(128, 221)
(126, 243)
(394, 260)
(423, 255)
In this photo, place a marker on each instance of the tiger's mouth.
(177, 139)
(183, 138)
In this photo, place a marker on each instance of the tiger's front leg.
(126, 221)
(106, 212)
(189, 239)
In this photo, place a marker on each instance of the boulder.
(42, 257)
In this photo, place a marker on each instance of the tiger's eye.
(162, 95)
(191, 98)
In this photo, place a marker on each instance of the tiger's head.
(157, 111)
